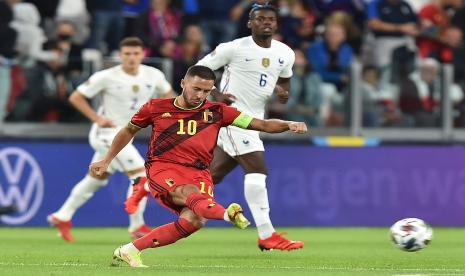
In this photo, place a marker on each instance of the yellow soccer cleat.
(236, 216)
(132, 259)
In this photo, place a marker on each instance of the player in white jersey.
(123, 90)
(255, 67)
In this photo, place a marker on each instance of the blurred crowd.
(401, 46)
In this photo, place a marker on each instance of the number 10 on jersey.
(191, 127)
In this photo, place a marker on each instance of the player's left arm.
(283, 85)
(282, 89)
(269, 125)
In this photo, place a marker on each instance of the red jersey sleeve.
(229, 115)
(143, 117)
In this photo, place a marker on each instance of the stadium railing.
(444, 133)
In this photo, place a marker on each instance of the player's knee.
(199, 222)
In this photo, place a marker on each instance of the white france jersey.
(123, 94)
(251, 71)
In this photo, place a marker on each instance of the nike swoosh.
(248, 59)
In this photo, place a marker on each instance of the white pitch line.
(321, 268)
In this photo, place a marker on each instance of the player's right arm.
(140, 120)
(122, 138)
(94, 85)
(80, 103)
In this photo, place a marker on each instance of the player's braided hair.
(266, 6)
(201, 71)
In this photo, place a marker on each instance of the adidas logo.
(166, 115)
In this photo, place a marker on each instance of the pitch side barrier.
(443, 132)
(307, 186)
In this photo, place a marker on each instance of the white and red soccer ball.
(411, 234)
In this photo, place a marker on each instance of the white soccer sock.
(256, 196)
(79, 195)
(130, 248)
(136, 220)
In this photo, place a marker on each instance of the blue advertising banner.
(307, 186)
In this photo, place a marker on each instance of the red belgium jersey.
(183, 136)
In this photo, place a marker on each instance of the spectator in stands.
(437, 37)
(159, 27)
(378, 104)
(297, 23)
(75, 12)
(46, 8)
(327, 7)
(132, 10)
(305, 97)
(420, 94)
(26, 20)
(353, 32)
(191, 48)
(7, 52)
(394, 25)
(458, 21)
(216, 21)
(51, 91)
(107, 24)
(331, 57)
(72, 52)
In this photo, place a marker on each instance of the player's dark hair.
(131, 41)
(201, 72)
(266, 6)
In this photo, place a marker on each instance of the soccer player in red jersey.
(184, 134)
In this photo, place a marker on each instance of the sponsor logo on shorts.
(170, 182)
(166, 115)
(246, 142)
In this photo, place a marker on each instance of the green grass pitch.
(227, 251)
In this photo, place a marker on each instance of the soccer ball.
(411, 234)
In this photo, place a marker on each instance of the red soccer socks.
(204, 207)
(166, 234)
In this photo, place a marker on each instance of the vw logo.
(21, 184)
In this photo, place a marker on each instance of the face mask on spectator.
(65, 37)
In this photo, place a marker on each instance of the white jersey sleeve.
(219, 57)
(162, 86)
(94, 85)
(287, 70)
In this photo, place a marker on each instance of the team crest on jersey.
(265, 62)
(170, 182)
(207, 116)
(135, 88)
